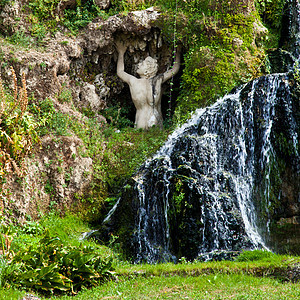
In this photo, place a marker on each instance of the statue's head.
(148, 67)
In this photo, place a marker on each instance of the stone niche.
(95, 69)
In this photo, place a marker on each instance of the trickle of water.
(111, 212)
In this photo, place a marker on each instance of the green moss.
(221, 49)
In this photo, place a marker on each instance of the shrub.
(271, 11)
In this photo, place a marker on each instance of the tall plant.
(17, 127)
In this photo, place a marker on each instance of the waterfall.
(200, 195)
(215, 160)
(219, 168)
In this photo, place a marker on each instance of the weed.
(65, 95)
(51, 266)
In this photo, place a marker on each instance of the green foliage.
(116, 115)
(59, 257)
(65, 96)
(210, 286)
(50, 266)
(116, 153)
(178, 197)
(67, 229)
(220, 45)
(256, 255)
(51, 260)
(32, 228)
(210, 280)
(116, 149)
(271, 11)
(44, 9)
(7, 233)
(20, 38)
(81, 15)
(44, 16)
(49, 119)
(125, 6)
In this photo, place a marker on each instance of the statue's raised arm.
(121, 48)
(170, 73)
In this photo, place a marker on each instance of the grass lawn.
(252, 275)
(237, 286)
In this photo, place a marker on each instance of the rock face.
(86, 64)
(52, 178)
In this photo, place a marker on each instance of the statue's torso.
(146, 96)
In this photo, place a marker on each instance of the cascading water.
(200, 193)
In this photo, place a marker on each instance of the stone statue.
(146, 91)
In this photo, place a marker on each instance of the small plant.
(32, 228)
(50, 120)
(131, 4)
(115, 116)
(65, 96)
(21, 39)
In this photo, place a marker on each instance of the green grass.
(219, 286)
(275, 266)
(10, 294)
(201, 287)
(253, 275)
(68, 229)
